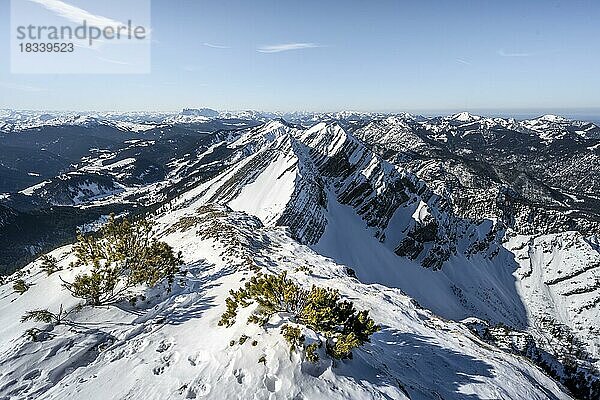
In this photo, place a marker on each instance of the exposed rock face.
(568, 361)
(540, 176)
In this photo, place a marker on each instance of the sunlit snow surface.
(171, 346)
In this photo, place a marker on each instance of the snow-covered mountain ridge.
(172, 347)
(349, 204)
(384, 199)
(500, 168)
(546, 126)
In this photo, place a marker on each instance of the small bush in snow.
(34, 334)
(305, 269)
(319, 309)
(273, 293)
(20, 286)
(123, 255)
(243, 339)
(293, 336)
(311, 352)
(343, 345)
(49, 265)
(45, 316)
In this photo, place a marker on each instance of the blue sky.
(360, 55)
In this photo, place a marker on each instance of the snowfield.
(170, 346)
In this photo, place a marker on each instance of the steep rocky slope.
(390, 227)
(539, 176)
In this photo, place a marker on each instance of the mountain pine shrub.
(319, 309)
(293, 335)
(49, 264)
(35, 334)
(243, 339)
(311, 352)
(20, 286)
(45, 316)
(121, 256)
(305, 269)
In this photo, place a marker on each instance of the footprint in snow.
(165, 345)
(197, 389)
(239, 375)
(165, 362)
(272, 383)
(198, 358)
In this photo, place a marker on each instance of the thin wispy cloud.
(461, 61)
(215, 46)
(76, 14)
(109, 60)
(169, 84)
(191, 68)
(503, 53)
(278, 48)
(83, 44)
(21, 88)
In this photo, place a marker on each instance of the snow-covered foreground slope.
(348, 204)
(170, 346)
